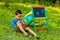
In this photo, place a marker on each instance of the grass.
(6, 14)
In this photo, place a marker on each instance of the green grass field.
(6, 14)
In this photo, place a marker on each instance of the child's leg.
(19, 25)
(28, 29)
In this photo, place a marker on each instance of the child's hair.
(18, 12)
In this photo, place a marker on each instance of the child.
(17, 23)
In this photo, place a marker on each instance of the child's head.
(18, 14)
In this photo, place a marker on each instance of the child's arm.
(23, 22)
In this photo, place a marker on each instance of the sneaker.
(37, 36)
(26, 35)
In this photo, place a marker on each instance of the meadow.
(7, 13)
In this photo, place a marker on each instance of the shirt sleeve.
(13, 23)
